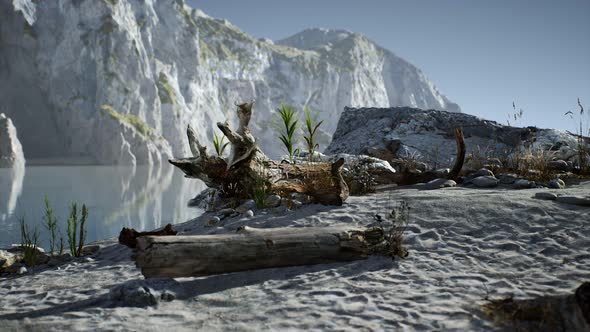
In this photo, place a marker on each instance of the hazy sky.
(481, 54)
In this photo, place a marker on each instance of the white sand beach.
(464, 244)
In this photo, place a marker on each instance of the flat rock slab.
(575, 200)
(546, 196)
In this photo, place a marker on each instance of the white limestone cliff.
(11, 150)
(118, 81)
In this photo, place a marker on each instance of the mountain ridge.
(118, 81)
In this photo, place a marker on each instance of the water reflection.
(11, 186)
(141, 197)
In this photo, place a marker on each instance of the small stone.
(273, 200)
(88, 260)
(247, 205)
(485, 181)
(558, 165)
(90, 249)
(440, 183)
(575, 200)
(507, 178)
(556, 184)
(135, 295)
(546, 196)
(249, 214)
(523, 184)
(7, 259)
(21, 270)
(484, 172)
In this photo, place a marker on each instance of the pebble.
(546, 196)
(249, 214)
(22, 270)
(575, 200)
(440, 183)
(485, 181)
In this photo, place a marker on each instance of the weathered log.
(251, 248)
(129, 236)
(247, 167)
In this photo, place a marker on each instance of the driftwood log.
(128, 236)
(251, 248)
(248, 167)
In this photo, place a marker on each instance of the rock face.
(11, 151)
(427, 135)
(118, 81)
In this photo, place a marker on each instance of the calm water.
(143, 198)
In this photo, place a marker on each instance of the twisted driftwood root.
(247, 167)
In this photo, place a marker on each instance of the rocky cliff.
(427, 136)
(117, 81)
(11, 151)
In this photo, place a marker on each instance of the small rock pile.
(12, 259)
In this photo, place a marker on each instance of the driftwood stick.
(454, 174)
(251, 248)
(129, 236)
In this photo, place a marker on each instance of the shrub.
(358, 178)
(399, 216)
(29, 243)
(261, 191)
(287, 128)
(51, 225)
(218, 142)
(310, 132)
(77, 243)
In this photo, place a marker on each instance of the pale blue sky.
(481, 54)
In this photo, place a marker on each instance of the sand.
(464, 244)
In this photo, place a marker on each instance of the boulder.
(11, 150)
(574, 200)
(524, 184)
(485, 181)
(556, 184)
(427, 135)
